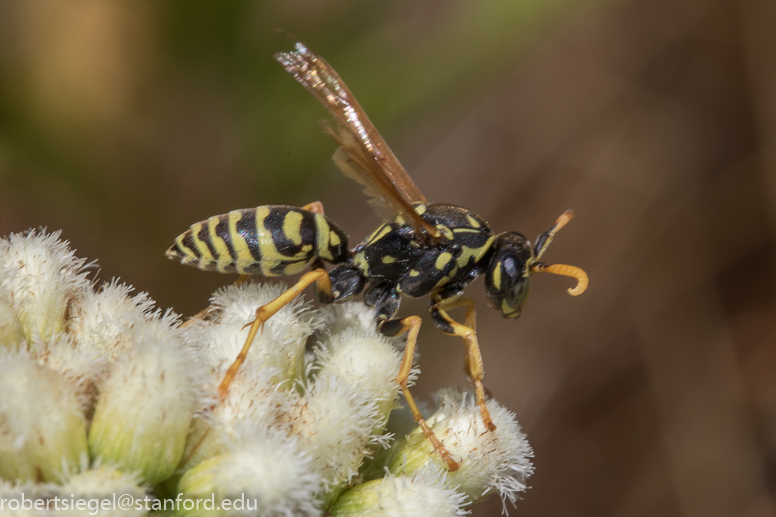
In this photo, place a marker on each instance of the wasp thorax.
(508, 276)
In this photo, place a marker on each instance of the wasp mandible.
(422, 249)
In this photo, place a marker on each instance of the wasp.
(422, 249)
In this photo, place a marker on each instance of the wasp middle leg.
(468, 332)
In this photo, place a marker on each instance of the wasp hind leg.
(468, 332)
(323, 284)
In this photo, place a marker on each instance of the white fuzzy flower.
(147, 402)
(268, 476)
(334, 424)
(254, 400)
(280, 345)
(43, 276)
(97, 488)
(491, 461)
(365, 362)
(423, 494)
(100, 321)
(42, 429)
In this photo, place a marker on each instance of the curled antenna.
(565, 270)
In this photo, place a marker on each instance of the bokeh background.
(122, 123)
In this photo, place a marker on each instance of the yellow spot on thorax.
(442, 260)
(379, 233)
(472, 221)
(360, 262)
(334, 239)
(477, 253)
(414, 273)
(388, 260)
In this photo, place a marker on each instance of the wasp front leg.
(468, 332)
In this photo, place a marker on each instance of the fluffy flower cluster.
(102, 394)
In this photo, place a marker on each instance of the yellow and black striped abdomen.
(273, 240)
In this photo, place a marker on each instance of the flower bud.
(491, 461)
(266, 474)
(280, 344)
(100, 321)
(146, 404)
(42, 428)
(366, 363)
(43, 277)
(424, 494)
(253, 400)
(99, 488)
(334, 424)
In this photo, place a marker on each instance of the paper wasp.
(422, 249)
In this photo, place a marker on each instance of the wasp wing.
(363, 155)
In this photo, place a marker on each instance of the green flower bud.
(491, 461)
(146, 404)
(422, 495)
(266, 475)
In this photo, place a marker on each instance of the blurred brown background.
(654, 393)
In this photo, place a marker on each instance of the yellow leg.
(411, 324)
(265, 312)
(474, 365)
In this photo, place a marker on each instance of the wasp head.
(509, 273)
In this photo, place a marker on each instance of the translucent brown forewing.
(362, 155)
